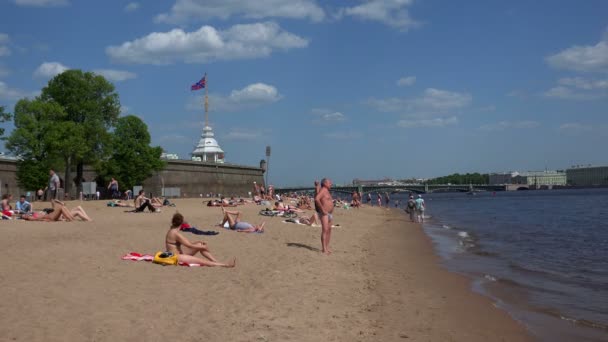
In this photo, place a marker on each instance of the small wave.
(489, 277)
(575, 321)
(463, 235)
(445, 226)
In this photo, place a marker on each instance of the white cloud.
(393, 13)
(432, 102)
(574, 128)
(115, 75)
(348, 135)
(132, 6)
(437, 122)
(41, 3)
(199, 10)
(10, 94)
(251, 96)
(583, 83)
(50, 69)
(406, 81)
(243, 134)
(588, 58)
(327, 115)
(206, 44)
(4, 50)
(565, 93)
(504, 125)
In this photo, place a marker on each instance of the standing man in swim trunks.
(324, 205)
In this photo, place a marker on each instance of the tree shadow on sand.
(301, 245)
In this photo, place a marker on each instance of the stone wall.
(193, 178)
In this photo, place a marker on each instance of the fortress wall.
(193, 178)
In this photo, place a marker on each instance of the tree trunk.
(67, 181)
(79, 175)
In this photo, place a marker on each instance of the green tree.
(91, 108)
(4, 117)
(133, 159)
(35, 129)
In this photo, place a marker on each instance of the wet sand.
(65, 281)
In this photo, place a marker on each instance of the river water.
(540, 255)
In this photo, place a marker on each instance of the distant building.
(540, 178)
(587, 176)
(502, 178)
(385, 181)
(169, 156)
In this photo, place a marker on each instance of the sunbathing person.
(217, 203)
(174, 242)
(119, 203)
(303, 220)
(60, 212)
(234, 222)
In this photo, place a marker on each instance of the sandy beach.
(65, 281)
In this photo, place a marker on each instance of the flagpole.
(206, 102)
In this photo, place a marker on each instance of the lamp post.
(267, 164)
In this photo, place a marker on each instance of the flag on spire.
(200, 84)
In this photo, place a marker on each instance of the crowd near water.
(541, 255)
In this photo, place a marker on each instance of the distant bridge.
(415, 188)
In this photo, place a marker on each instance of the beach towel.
(195, 231)
(134, 256)
(185, 227)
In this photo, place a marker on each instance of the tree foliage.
(4, 117)
(133, 159)
(33, 139)
(75, 121)
(456, 178)
(91, 107)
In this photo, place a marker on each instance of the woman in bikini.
(60, 211)
(174, 242)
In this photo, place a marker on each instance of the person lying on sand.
(303, 220)
(119, 203)
(279, 205)
(60, 212)
(234, 222)
(174, 241)
(217, 203)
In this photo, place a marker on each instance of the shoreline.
(438, 304)
(384, 282)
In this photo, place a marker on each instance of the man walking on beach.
(324, 205)
(54, 184)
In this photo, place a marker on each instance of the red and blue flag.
(200, 84)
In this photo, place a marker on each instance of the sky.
(365, 89)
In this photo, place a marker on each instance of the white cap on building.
(208, 149)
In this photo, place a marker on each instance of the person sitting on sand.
(234, 222)
(60, 212)
(23, 206)
(142, 202)
(174, 241)
(6, 205)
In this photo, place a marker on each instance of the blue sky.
(342, 89)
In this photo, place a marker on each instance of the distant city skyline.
(364, 89)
